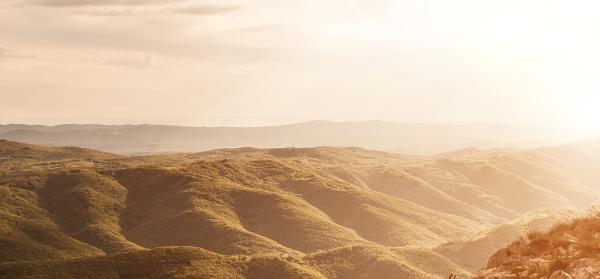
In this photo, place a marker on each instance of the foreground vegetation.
(570, 249)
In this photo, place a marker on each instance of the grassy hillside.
(27, 233)
(274, 213)
(189, 262)
(568, 250)
(473, 253)
(87, 206)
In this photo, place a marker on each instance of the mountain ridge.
(416, 138)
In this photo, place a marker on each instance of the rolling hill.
(323, 212)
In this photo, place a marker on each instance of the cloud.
(127, 59)
(261, 28)
(126, 7)
(80, 3)
(258, 68)
(9, 3)
(206, 9)
(11, 54)
(108, 11)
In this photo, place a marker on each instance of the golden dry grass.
(251, 213)
(563, 246)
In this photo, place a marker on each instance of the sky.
(269, 62)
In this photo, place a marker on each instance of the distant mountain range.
(389, 136)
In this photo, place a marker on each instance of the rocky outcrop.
(566, 251)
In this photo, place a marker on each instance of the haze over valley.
(423, 139)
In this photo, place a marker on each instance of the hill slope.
(473, 253)
(351, 262)
(253, 213)
(568, 250)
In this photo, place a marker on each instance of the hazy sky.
(195, 62)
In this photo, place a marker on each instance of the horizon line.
(291, 124)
